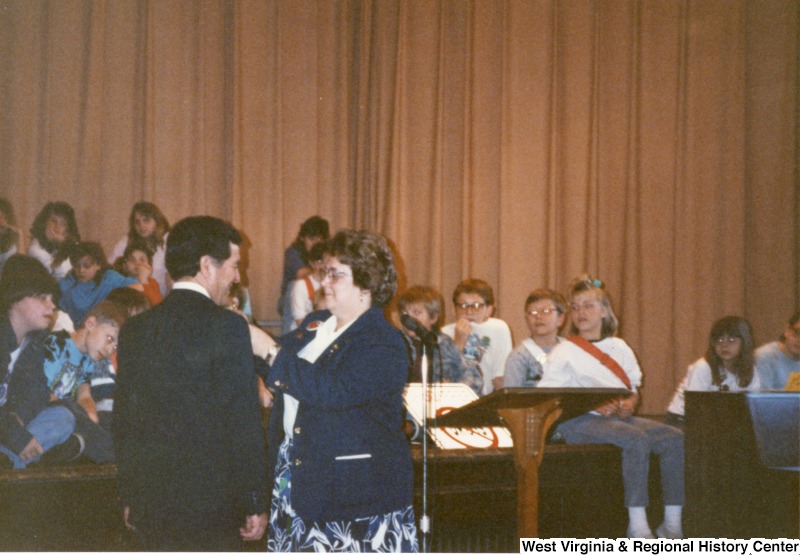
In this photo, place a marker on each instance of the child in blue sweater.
(89, 281)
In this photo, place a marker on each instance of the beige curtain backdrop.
(652, 143)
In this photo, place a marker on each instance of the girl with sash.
(594, 357)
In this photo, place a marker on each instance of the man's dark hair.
(195, 237)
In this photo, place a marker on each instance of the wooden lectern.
(529, 413)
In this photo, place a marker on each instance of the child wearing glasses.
(544, 314)
(775, 361)
(147, 224)
(70, 361)
(593, 357)
(727, 366)
(480, 337)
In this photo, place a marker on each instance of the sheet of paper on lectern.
(442, 398)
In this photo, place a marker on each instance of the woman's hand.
(262, 342)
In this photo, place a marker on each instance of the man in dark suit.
(187, 421)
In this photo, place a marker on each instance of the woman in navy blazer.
(343, 477)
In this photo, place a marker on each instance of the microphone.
(419, 330)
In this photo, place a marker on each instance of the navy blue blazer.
(350, 458)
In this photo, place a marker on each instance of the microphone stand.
(428, 340)
(424, 521)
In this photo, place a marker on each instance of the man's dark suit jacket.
(187, 421)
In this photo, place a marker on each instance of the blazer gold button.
(297, 462)
(297, 430)
(278, 383)
(336, 347)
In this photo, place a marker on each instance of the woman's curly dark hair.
(371, 260)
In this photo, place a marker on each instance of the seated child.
(478, 336)
(104, 377)
(70, 361)
(303, 292)
(240, 301)
(594, 357)
(147, 224)
(449, 365)
(727, 366)
(30, 425)
(53, 233)
(776, 360)
(544, 314)
(295, 262)
(89, 281)
(137, 262)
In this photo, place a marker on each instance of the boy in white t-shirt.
(480, 337)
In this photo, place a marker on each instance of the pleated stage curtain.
(653, 144)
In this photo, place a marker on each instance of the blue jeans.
(50, 427)
(638, 438)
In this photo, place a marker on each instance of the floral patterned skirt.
(394, 532)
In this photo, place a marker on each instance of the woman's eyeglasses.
(332, 274)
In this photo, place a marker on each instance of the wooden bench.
(62, 508)
(472, 501)
(472, 496)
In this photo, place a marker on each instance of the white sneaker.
(664, 531)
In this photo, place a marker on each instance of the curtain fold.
(652, 144)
